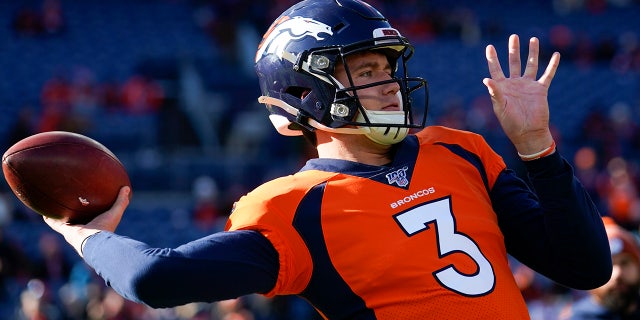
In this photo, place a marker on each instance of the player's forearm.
(573, 222)
(217, 267)
(557, 230)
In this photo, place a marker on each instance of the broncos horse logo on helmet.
(296, 60)
(287, 29)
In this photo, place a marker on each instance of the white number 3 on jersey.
(449, 241)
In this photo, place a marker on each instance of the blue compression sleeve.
(560, 234)
(221, 266)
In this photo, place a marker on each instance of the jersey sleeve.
(493, 162)
(270, 209)
(471, 145)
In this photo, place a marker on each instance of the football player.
(393, 220)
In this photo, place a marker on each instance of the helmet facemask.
(383, 127)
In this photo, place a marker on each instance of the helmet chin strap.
(381, 135)
(385, 135)
(294, 112)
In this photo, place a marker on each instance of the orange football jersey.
(417, 239)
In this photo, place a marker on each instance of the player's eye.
(365, 74)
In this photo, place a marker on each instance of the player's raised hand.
(520, 100)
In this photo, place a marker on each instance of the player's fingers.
(550, 71)
(532, 61)
(53, 223)
(496, 97)
(495, 70)
(60, 226)
(515, 67)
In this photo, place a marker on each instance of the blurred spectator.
(46, 20)
(620, 297)
(109, 93)
(623, 203)
(596, 129)
(562, 7)
(625, 128)
(605, 49)
(14, 270)
(52, 17)
(206, 213)
(55, 100)
(7, 211)
(217, 19)
(70, 101)
(110, 305)
(52, 266)
(627, 56)
(247, 133)
(78, 291)
(84, 95)
(545, 298)
(27, 22)
(233, 309)
(561, 39)
(587, 169)
(141, 94)
(584, 51)
(24, 125)
(35, 303)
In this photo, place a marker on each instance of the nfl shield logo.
(398, 177)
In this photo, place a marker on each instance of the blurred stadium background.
(168, 85)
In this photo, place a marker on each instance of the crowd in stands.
(52, 284)
(72, 99)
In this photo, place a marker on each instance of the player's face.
(366, 68)
(622, 288)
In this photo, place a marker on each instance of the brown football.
(64, 175)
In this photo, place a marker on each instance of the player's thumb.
(110, 219)
(124, 196)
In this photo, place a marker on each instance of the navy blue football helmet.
(295, 63)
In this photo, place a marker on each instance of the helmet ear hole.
(298, 92)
